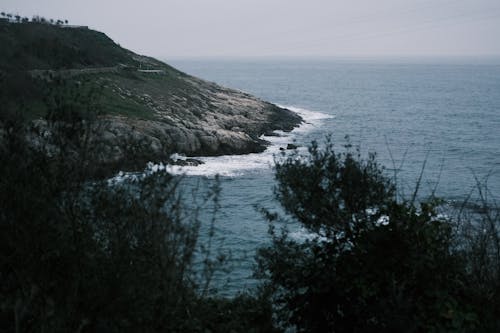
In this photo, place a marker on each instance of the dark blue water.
(447, 114)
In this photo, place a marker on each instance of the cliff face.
(232, 131)
(158, 107)
(191, 116)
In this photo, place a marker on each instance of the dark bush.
(372, 263)
(83, 254)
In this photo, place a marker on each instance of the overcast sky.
(248, 28)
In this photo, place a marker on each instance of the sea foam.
(238, 165)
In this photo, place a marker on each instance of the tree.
(372, 263)
(82, 253)
(77, 254)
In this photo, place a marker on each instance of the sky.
(284, 28)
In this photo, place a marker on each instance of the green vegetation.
(81, 254)
(37, 54)
(78, 253)
(28, 46)
(141, 96)
(372, 263)
(85, 255)
(125, 106)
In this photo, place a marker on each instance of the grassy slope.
(42, 46)
(34, 46)
(41, 64)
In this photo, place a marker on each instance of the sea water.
(439, 118)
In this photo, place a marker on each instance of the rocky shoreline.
(145, 110)
(128, 144)
(208, 120)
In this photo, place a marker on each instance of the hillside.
(139, 97)
(45, 46)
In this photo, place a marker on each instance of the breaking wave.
(238, 165)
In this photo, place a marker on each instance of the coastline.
(234, 165)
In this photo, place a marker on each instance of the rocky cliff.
(194, 117)
(141, 99)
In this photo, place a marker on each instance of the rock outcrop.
(209, 120)
(149, 109)
(184, 114)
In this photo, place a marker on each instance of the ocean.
(439, 116)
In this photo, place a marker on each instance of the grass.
(30, 46)
(125, 106)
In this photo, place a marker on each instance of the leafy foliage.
(373, 263)
(82, 254)
(331, 193)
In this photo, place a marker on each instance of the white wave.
(308, 115)
(121, 176)
(312, 119)
(238, 165)
(302, 235)
(226, 165)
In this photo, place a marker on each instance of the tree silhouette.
(372, 264)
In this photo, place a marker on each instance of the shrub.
(373, 263)
(79, 253)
